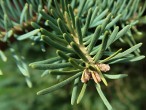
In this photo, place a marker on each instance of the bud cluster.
(89, 74)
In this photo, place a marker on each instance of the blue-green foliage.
(83, 33)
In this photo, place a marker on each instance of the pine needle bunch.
(79, 54)
(82, 31)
